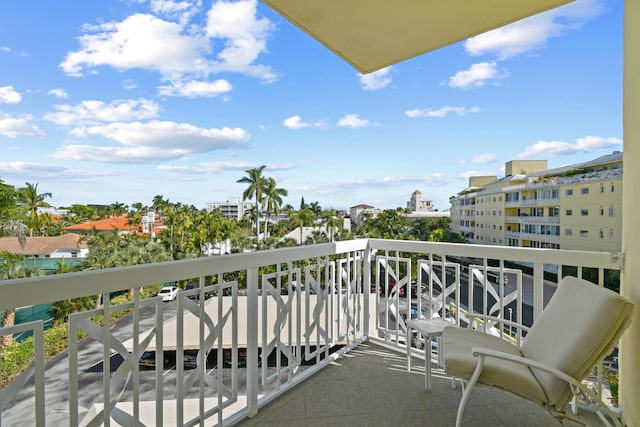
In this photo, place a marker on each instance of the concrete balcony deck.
(370, 386)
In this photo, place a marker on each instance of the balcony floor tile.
(370, 387)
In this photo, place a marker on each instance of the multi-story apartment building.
(572, 207)
(233, 208)
(417, 204)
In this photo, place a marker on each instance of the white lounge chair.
(579, 327)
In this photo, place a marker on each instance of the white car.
(168, 293)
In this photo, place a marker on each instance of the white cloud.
(181, 10)
(477, 75)
(95, 112)
(376, 80)
(14, 127)
(21, 168)
(245, 37)
(8, 95)
(140, 41)
(533, 32)
(177, 49)
(484, 159)
(295, 122)
(218, 167)
(167, 135)
(353, 121)
(441, 112)
(59, 93)
(587, 144)
(150, 142)
(192, 89)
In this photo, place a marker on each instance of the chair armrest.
(478, 351)
(577, 387)
(472, 316)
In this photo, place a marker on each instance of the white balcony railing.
(338, 295)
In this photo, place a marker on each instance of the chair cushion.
(459, 362)
(577, 329)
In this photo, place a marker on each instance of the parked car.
(189, 360)
(191, 286)
(227, 357)
(168, 293)
(148, 358)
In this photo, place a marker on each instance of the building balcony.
(314, 333)
(526, 219)
(533, 202)
(543, 238)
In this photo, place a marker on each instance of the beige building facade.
(574, 207)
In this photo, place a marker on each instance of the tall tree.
(10, 223)
(273, 201)
(256, 184)
(117, 208)
(31, 200)
(332, 222)
(301, 218)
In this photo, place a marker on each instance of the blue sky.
(119, 101)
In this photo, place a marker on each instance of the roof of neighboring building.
(42, 245)
(107, 224)
(362, 206)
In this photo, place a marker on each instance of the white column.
(630, 286)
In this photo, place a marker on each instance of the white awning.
(373, 34)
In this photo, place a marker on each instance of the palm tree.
(117, 208)
(256, 182)
(273, 200)
(332, 222)
(317, 210)
(30, 199)
(301, 218)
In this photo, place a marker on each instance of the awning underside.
(373, 34)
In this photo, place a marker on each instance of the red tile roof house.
(65, 246)
(111, 223)
(107, 224)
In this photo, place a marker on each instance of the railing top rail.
(38, 290)
(610, 260)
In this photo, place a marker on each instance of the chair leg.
(466, 393)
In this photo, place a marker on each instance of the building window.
(612, 211)
(602, 188)
(568, 232)
(500, 228)
(613, 188)
(584, 233)
(584, 212)
(601, 210)
(569, 192)
(601, 234)
(569, 212)
(584, 191)
(611, 233)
